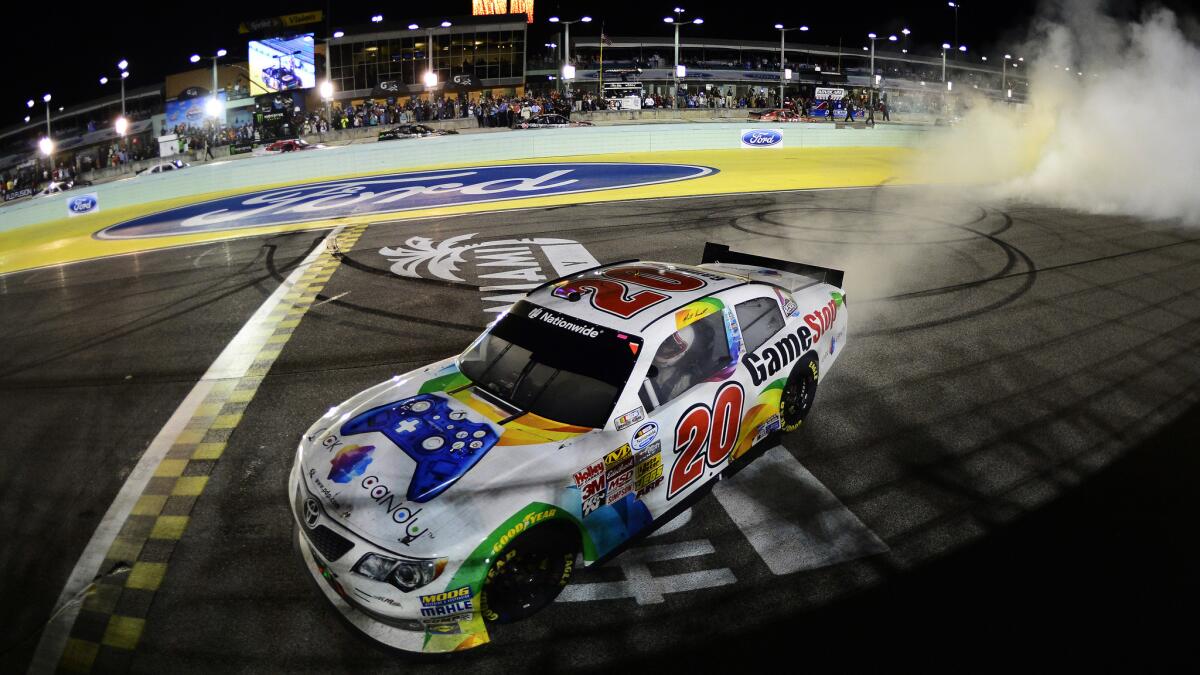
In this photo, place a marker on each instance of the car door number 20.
(705, 436)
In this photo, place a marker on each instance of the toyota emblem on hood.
(312, 511)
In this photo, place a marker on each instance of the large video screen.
(282, 65)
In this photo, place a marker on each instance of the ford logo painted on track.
(398, 192)
(82, 204)
(762, 138)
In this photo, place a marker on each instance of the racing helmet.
(674, 347)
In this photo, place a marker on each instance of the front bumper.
(408, 633)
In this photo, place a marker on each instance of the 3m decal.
(630, 418)
(611, 293)
(591, 486)
(397, 192)
(702, 429)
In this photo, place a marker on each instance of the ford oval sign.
(81, 204)
(398, 192)
(762, 138)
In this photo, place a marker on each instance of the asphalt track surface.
(998, 472)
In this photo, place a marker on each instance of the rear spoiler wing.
(720, 253)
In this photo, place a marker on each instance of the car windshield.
(553, 365)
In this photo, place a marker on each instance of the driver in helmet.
(673, 377)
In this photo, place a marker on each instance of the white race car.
(593, 411)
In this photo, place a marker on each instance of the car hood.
(424, 464)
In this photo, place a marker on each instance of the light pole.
(677, 23)
(904, 47)
(945, 46)
(955, 6)
(214, 107)
(1004, 72)
(326, 87)
(875, 78)
(783, 68)
(567, 43)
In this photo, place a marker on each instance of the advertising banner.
(190, 112)
(283, 65)
(822, 93)
(762, 138)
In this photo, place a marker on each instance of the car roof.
(584, 308)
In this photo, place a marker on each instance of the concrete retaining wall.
(247, 174)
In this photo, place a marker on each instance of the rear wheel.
(799, 392)
(529, 573)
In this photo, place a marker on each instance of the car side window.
(688, 357)
(759, 319)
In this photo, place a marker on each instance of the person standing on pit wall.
(849, 101)
(883, 108)
(871, 112)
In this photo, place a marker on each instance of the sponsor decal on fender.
(525, 523)
(644, 435)
(591, 486)
(620, 485)
(447, 603)
(773, 358)
(630, 418)
(398, 192)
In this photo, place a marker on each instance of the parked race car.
(779, 115)
(163, 167)
(551, 121)
(280, 79)
(291, 145)
(465, 493)
(413, 131)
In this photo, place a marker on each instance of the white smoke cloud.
(1121, 138)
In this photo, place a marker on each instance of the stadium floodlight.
(892, 38)
(194, 58)
(221, 52)
(871, 35)
(46, 98)
(553, 19)
(376, 18)
(213, 107)
(122, 65)
(446, 24)
(122, 126)
(46, 146)
(803, 29)
(681, 70)
(431, 79)
(27, 119)
(124, 74)
(413, 26)
(103, 80)
(568, 72)
(962, 48)
(983, 58)
(778, 26)
(326, 90)
(585, 19)
(787, 73)
(668, 19)
(945, 45)
(906, 31)
(338, 33)
(697, 21)
(29, 103)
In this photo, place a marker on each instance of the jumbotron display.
(278, 65)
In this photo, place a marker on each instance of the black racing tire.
(799, 392)
(529, 573)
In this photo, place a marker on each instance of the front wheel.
(529, 573)
(799, 392)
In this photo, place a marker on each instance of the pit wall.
(482, 148)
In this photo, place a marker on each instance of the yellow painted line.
(169, 527)
(190, 486)
(212, 450)
(123, 632)
(741, 171)
(170, 468)
(149, 505)
(79, 656)
(146, 576)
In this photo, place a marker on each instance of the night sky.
(80, 42)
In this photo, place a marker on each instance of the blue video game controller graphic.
(444, 442)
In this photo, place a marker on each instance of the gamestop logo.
(398, 192)
(762, 138)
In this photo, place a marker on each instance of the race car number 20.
(706, 436)
(611, 293)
